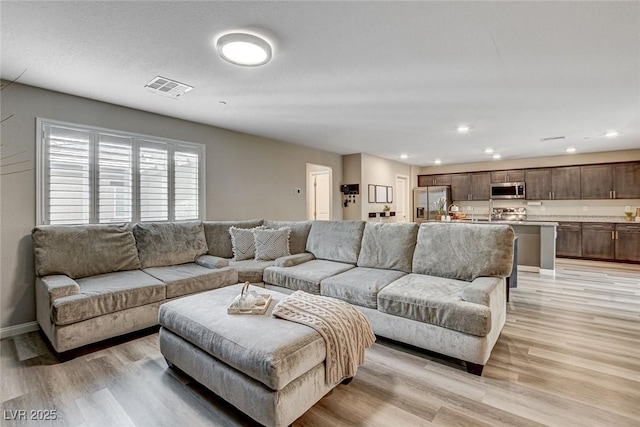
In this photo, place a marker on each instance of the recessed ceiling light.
(437, 161)
(404, 156)
(463, 129)
(497, 156)
(571, 150)
(612, 134)
(488, 151)
(244, 49)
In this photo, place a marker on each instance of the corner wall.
(246, 176)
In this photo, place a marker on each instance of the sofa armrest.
(480, 289)
(295, 259)
(210, 261)
(58, 286)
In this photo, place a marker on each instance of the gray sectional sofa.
(437, 286)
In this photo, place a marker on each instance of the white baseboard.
(529, 268)
(12, 331)
(547, 271)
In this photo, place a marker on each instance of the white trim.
(529, 268)
(547, 272)
(407, 202)
(12, 331)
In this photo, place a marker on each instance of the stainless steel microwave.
(508, 190)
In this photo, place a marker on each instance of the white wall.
(246, 176)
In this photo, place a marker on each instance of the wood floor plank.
(568, 355)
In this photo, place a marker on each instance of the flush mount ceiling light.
(404, 156)
(437, 161)
(497, 156)
(571, 150)
(612, 134)
(488, 151)
(463, 129)
(244, 49)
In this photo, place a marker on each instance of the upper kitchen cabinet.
(553, 183)
(596, 181)
(460, 187)
(516, 175)
(431, 180)
(538, 184)
(565, 183)
(480, 186)
(611, 181)
(626, 180)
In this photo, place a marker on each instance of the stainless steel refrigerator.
(426, 200)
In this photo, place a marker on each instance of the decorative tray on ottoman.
(249, 302)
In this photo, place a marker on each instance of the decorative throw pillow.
(271, 244)
(242, 243)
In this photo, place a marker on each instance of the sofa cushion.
(265, 348)
(169, 243)
(242, 243)
(336, 240)
(271, 244)
(83, 250)
(388, 246)
(190, 278)
(464, 251)
(435, 300)
(250, 270)
(299, 233)
(107, 293)
(305, 277)
(218, 237)
(359, 286)
(210, 261)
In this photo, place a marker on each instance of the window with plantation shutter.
(88, 175)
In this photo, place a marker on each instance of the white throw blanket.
(346, 332)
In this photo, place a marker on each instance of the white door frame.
(312, 171)
(407, 195)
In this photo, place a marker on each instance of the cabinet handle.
(549, 195)
(610, 194)
(615, 196)
(616, 235)
(613, 236)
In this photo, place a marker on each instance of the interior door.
(402, 205)
(321, 196)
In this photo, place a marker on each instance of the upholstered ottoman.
(270, 369)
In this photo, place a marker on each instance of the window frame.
(137, 140)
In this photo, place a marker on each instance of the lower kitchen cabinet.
(598, 240)
(569, 239)
(627, 242)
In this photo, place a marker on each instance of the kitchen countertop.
(580, 218)
(504, 221)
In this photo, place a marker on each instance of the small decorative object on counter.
(629, 216)
(440, 208)
(386, 208)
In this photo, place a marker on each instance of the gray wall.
(246, 176)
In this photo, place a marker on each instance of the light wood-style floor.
(569, 355)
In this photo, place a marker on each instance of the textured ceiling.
(383, 78)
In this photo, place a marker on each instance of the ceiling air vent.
(552, 138)
(167, 87)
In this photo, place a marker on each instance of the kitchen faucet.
(490, 209)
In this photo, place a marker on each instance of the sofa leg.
(347, 380)
(474, 368)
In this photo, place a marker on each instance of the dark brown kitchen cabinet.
(565, 183)
(538, 184)
(598, 240)
(460, 187)
(480, 186)
(516, 175)
(430, 180)
(569, 239)
(596, 182)
(627, 242)
(626, 180)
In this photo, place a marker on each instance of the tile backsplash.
(592, 208)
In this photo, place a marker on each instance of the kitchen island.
(536, 243)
